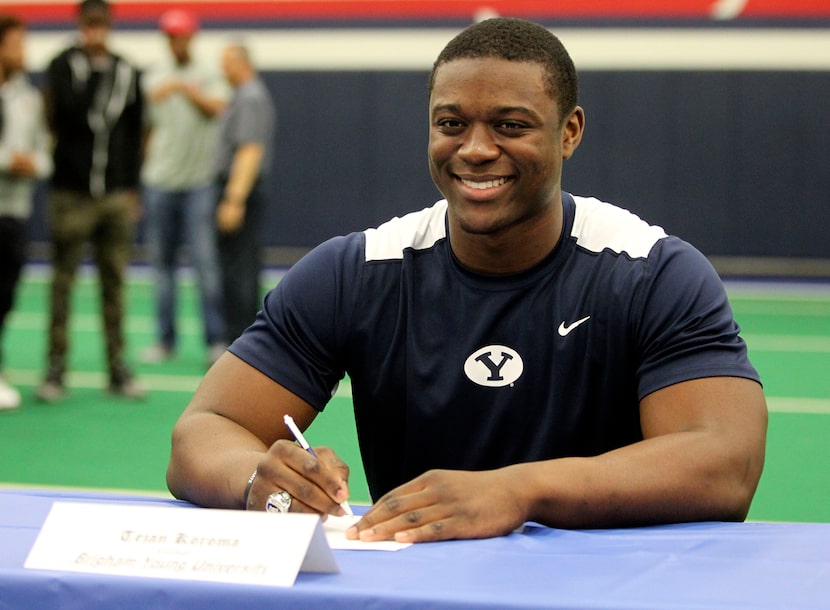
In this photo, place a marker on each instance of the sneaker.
(215, 352)
(9, 396)
(127, 388)
(50, 391)
(123, 384)
(156, 353)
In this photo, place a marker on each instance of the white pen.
(289, 421)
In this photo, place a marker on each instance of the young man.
(515, 352)
(185, 97)
(24, 158)
(94, 107)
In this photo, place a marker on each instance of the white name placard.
(181, 543)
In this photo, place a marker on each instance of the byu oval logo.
(494, 366)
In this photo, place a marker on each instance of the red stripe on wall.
(424, 9)
(792, 8)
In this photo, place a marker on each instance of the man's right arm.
(233, 426)
(210, 106)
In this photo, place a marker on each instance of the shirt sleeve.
(254, 111)
(686, 328)
(299, 337)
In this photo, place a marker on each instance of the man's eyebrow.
(446, 108)
(520, 110)
(497, 112)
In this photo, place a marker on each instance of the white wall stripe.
(415, 49)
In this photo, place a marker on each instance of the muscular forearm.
(701, 460)
(224, 434)
(201, 471)
(687, 476)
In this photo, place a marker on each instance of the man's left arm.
(700, 460)
(230, 215)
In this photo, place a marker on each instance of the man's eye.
(509, 125)
(449, 123)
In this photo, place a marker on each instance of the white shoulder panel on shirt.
(599, 226)
(417, 230)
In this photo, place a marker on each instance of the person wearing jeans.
(173, 217)
(185, 97)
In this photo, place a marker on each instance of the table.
(708, 566)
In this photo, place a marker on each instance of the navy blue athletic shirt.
(453, 369)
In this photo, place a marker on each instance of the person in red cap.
(184, 98)
(179, 23)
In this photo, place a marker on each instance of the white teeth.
(483, 185)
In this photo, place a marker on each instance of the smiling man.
(515, 352)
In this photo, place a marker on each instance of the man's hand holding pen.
(315, 484)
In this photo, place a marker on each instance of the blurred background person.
(25, 156)
(242, 163)
(94, 108)
(185, 97)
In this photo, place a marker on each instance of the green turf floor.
(91, 440)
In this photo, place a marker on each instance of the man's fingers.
(399, 512)
(422, 525)
(309, 480)
(333, 461)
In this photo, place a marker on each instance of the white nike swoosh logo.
(564, 330)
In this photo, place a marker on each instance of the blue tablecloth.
(708, 566)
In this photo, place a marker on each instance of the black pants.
(12, 259)
(240, 261)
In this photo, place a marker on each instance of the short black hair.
(522, 41)
(97, 8)
(10, 22)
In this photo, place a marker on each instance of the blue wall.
(738, 163)
(735, 160)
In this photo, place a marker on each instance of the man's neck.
(511, 251)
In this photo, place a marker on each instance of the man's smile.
(483, 185)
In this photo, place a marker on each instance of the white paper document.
(335, 528)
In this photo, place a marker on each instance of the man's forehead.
(457, 69)
(487, 73)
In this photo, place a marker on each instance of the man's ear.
(572, 130)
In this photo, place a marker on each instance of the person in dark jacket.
(94, 109)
